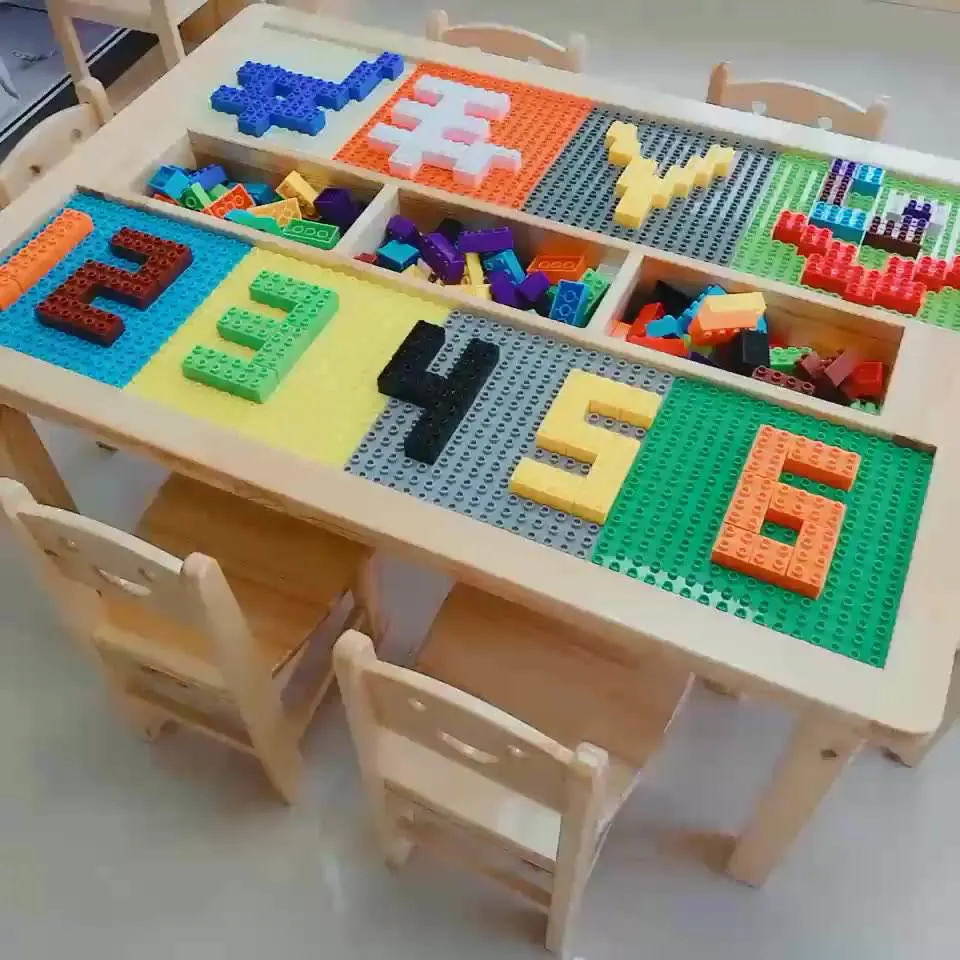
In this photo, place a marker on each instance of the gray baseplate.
(578, 188)
(471, 474)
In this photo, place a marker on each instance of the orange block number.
(761, 495)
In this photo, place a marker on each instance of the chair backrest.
(168, 634)
(512, 42)
(798, 103)
(51, 140)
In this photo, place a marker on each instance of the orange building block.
(540, 124)
(41, 254)
(236, 198)
(823, 463)
(760, 496)
(558, 267)
(720, 317)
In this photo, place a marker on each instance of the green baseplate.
(795, 185)
(665, 520)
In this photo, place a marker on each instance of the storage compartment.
(829, 351)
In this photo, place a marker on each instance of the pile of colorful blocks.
(730, 331)
(485, 262)
(293, 209)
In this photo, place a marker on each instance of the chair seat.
(573, 686)
(286, 574)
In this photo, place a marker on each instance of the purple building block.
(493, 240)
(336, 206)
(442, 257)
(533, 287)
(502, 289)
(404, 229)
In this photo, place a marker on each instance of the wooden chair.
(798, 103)
(510, 42)
(446, 770)
(572, 685)
(160, 17)
(220, 645)
(52, 139)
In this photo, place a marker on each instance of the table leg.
(818, 751)
(24, 457)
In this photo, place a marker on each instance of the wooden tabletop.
(907, 694)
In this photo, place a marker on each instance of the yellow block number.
(564, 430)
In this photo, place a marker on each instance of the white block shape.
(447, 126)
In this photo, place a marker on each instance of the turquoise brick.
(397, 255)
(505, 260)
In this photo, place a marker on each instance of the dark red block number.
(70, 307)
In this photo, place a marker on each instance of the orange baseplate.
(761, 496)
(540, 124)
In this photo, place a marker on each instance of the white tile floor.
(112, 848)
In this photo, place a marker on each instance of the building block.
(247, 219)
(176, 184)
(405, 230)
(785, 359)
(507, 261)
(932, 273)
(283, 211)
(41, 254)
(218, 191)
(503, 290)
(867, 380)
(664, 327)
(322, 235)
(447, 125)
(270, 96)
(209, 177)
(867, 180)
(675, 346)
(493, 240)
(397, 256)
(69, 307)
(790, 226)
(336, 206)
(473, 270)
(451, 228)
(845, 223)
(277, 345)
(261, 193)
(570, 303)
(195, 197)
(236, 198)
(559, 268)
(445, 399)
(295, 187)
(533, 287)
(597, 285)
(690, 306)
(760, 496)
(779, 379)
(648, 313)
(481, 290)
(622, 142)
(443, 257)
(841, 368)
(159, 179)
(564, 431)
(720, 317)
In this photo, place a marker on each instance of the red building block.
(862, 285)
(905, 296)
(814, 240)
(932, 273)
(366, 257)
(867, 380)
(789, 227)
(236, 198)
(672, 345)
(779, 379)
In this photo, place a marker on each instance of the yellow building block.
(564, 431)
(720, 160)
(481, 290)
(329, 399)
(622, 142)
(721, 304)
(295, 187)
(634, 208)
(283, 211)
(473, 274)
(637, 174)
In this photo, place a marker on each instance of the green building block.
(278, 344)
(218, 191)
(784, 359)
(247, 219)
(195, 197)
(866, 406)
(665, 520)
(597, 285)
(321, 235)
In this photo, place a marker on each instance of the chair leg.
(66, 35)
(168, 33)
(148, 721)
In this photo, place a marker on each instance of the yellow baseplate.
(328, 401)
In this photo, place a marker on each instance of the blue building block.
(214, 256)
(158, 182)
(397, 255)
(176, 184)
(209, 177)
(666, 326)
(570, 303)
(761, 326)
(845, 223)
(686, 318)
(507, 261)
(270, 96)
(867, 180)
(261, 193)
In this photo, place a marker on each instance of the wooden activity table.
(869, 659)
